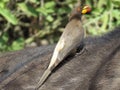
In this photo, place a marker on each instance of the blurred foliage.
(25, 23)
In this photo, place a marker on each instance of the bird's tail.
(43, 78)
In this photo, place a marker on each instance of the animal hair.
(97, 68)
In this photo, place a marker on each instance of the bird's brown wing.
(72, 36)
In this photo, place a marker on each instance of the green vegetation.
(39, 22)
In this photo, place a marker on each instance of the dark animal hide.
(97, 68)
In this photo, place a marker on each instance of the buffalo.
(96, 68)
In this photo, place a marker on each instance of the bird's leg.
(81, 51)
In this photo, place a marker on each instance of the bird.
(70, 39)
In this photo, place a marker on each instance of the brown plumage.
(68, 42)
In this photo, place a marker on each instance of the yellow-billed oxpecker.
(70, 39)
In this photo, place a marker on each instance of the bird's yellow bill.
(86, 9)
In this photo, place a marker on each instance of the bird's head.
(77, 12)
